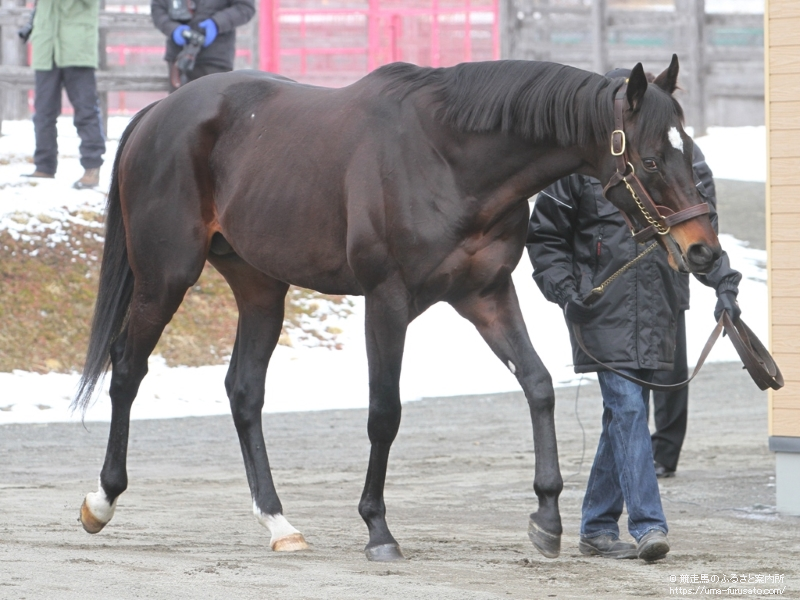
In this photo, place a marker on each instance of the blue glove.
(577, 312)
(177, 35)
(211, 30)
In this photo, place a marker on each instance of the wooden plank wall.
(722, 55)
(782, 22)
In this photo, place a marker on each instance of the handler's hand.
(577, 312)
(177, 35)
(210, 27)
(727, 301)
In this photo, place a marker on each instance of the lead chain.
(659, 227)
(602, 287)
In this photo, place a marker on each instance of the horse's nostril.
(700, 254)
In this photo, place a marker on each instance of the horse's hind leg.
(261, 305)
(155, 300)
(498, 319)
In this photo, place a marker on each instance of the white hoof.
(96, 510)
(283, 537)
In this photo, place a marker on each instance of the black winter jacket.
(227, 14)
(577, 239)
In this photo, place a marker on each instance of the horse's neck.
(488, 164)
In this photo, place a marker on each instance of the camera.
(24, 32)
(180, 10)
(194, 38)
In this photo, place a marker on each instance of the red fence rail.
(326, 44)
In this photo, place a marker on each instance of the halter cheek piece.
(659, 218)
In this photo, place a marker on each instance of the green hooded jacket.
(65, 34)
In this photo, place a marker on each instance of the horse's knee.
(540, 392)
(384, 420)
(246, 404)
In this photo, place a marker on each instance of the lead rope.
(755, 357)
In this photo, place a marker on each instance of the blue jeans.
(623, 466)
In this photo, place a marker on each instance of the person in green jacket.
(65, 38)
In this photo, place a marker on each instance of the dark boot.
(607, 546)
(653, 545)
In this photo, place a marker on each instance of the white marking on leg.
(278, 526)
(675, 139)
(99, 505)
(512, 368)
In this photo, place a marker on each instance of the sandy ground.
(458, 494)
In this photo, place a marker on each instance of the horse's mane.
(539, 101)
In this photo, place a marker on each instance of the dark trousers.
(199, 71)
(82, 93)
(670, 409)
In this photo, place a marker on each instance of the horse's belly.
(310, 257)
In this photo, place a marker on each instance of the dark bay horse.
(409, 187)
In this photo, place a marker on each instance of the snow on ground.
(738, 153)
(444, 354)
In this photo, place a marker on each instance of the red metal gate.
(335, 42)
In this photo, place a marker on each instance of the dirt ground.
(458, 495)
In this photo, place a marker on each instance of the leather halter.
(659, 218)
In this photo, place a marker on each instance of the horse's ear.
(668, 80)
(637, 85)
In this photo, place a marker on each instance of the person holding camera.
(201, 35)
(64, 36)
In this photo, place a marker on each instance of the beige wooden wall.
(782, 40)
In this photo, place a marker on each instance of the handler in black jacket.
(576, 240)
(217, 20)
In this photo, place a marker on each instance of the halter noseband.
(659, 218)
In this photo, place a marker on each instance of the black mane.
(539, 101)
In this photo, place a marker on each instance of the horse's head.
(648, 171)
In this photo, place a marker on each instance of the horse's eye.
(650, 164)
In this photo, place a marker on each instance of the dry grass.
(48, 282)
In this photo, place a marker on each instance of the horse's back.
(262, 160)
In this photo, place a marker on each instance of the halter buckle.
(617, 141)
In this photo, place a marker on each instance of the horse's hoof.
(91, 524)
(290, 543)
(384, 553)
(549, 544)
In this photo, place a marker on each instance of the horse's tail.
(116, 285)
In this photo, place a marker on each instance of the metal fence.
(336, 43)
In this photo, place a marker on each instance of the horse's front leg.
(386, 324)
(497, 317)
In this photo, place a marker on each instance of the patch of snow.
(738, 153)
(444, 355)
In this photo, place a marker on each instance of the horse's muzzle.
(700, 258)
